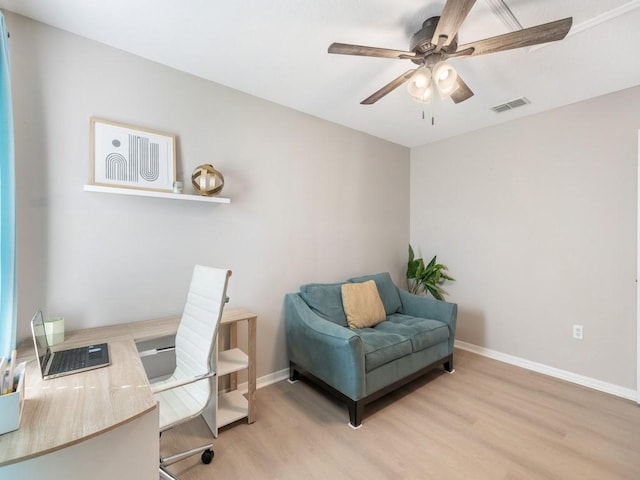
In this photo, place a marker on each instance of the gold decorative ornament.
(207, 181)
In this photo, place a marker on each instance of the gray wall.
(311, 201)
(536, 219)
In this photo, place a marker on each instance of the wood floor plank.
(489, 420)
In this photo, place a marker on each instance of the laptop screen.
(40, 340)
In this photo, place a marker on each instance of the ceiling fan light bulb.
(420, 79)
(445, 78)
(424, 96)
(419, 86)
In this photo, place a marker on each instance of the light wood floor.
(488, 420)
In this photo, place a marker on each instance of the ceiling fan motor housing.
(421, 41)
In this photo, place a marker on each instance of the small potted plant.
(423, 279)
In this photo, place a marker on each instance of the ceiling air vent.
(518, 102)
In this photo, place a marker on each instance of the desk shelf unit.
(233, 405)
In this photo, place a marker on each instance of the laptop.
(65, 362)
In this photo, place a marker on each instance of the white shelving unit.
(150, 193)
(233, 405)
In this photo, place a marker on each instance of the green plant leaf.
(427, 278)
(411, 270)
(412, 265)
(434, 291)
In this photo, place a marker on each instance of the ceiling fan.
(437, 41)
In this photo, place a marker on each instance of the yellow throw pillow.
(362, 304)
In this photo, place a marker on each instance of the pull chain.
(433, 118)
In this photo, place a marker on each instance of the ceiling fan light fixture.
(420, 85)
(445, 77)
(437, 40)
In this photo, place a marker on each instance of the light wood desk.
(75, 420)
(68, 422)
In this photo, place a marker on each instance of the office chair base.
(206, 457)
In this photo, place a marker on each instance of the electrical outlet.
(578, 331)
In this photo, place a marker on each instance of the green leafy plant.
(429, 278)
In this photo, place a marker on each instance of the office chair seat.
(178, 404)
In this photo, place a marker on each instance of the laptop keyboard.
(68, 360)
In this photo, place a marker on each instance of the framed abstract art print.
(126, 156)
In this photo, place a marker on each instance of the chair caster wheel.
(207, 456)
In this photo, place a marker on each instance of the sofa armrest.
(329, 351)
(425, 307)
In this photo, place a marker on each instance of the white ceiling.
(277, 50)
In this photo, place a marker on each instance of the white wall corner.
(638, 277)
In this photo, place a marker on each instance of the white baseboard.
(266, 380)
(599, 385)
(589, 382)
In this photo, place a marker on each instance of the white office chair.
(185, 394)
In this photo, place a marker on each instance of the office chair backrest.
(199, 326)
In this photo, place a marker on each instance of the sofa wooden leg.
(356, 410)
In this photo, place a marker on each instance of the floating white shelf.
(151, 193)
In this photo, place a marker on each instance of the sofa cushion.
(325, 299)
(423, 332)
(387, 290)
(381, 348)
(362, 304)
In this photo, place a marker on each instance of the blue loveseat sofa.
(361, 365)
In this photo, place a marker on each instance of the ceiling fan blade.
(389, 87)
(462, 91)
(452, 16)
(348, 49)
(547, 32)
